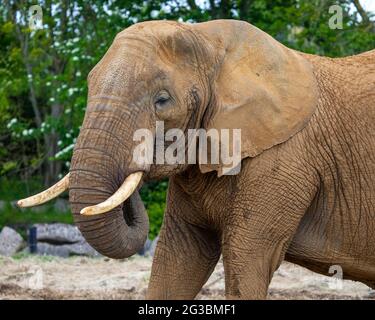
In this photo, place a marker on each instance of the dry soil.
(35, 277)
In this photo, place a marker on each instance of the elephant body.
(338, 228)
(311, 199)
(305, 191)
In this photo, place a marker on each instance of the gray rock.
(10, 242)
(61, 205)
(146, 247)
(82, 249)
(40, 208)
(153, 246)
(58, 233)
(13, 204)
(66, 250)
(46, 249)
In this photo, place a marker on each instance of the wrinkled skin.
(306, 189)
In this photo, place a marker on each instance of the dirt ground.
(35, 277)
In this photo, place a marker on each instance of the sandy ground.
(102, 278)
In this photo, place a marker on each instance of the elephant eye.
(162, 99)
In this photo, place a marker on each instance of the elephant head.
(219, 74)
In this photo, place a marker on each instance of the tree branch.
(361, 11)
(24, 44)
(244, 9)
(192, 5)
(365, 18)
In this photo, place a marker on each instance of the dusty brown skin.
(306, 190)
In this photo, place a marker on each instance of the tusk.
(46, 195)
(123, 193)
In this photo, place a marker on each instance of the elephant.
(305, 192)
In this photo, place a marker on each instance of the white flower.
(67, 111)
(48, 84)
(68, 135)
(65, 150)
(75, 58)
(75, 50)
(154, 14)
(59, 143)
(24, 133)
(166, 8)
(75, 39)
(11, 123)
(78, 73)
(52, 99)
(133, 19)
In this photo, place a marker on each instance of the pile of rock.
(10, 242)
(63, 240)
(149, 247)
(56, 239)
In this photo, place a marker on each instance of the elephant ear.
(260, 86)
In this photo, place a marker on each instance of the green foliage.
(43, 86)
(21, 219)
(154, 195)
(12, 189)
(36, 258)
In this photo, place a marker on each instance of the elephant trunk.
(98, 169)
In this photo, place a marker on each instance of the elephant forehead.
(171, 41)
(122, 71)
(152, 29)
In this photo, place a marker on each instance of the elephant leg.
(259, 232)
(184, 259)
(249, 267)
